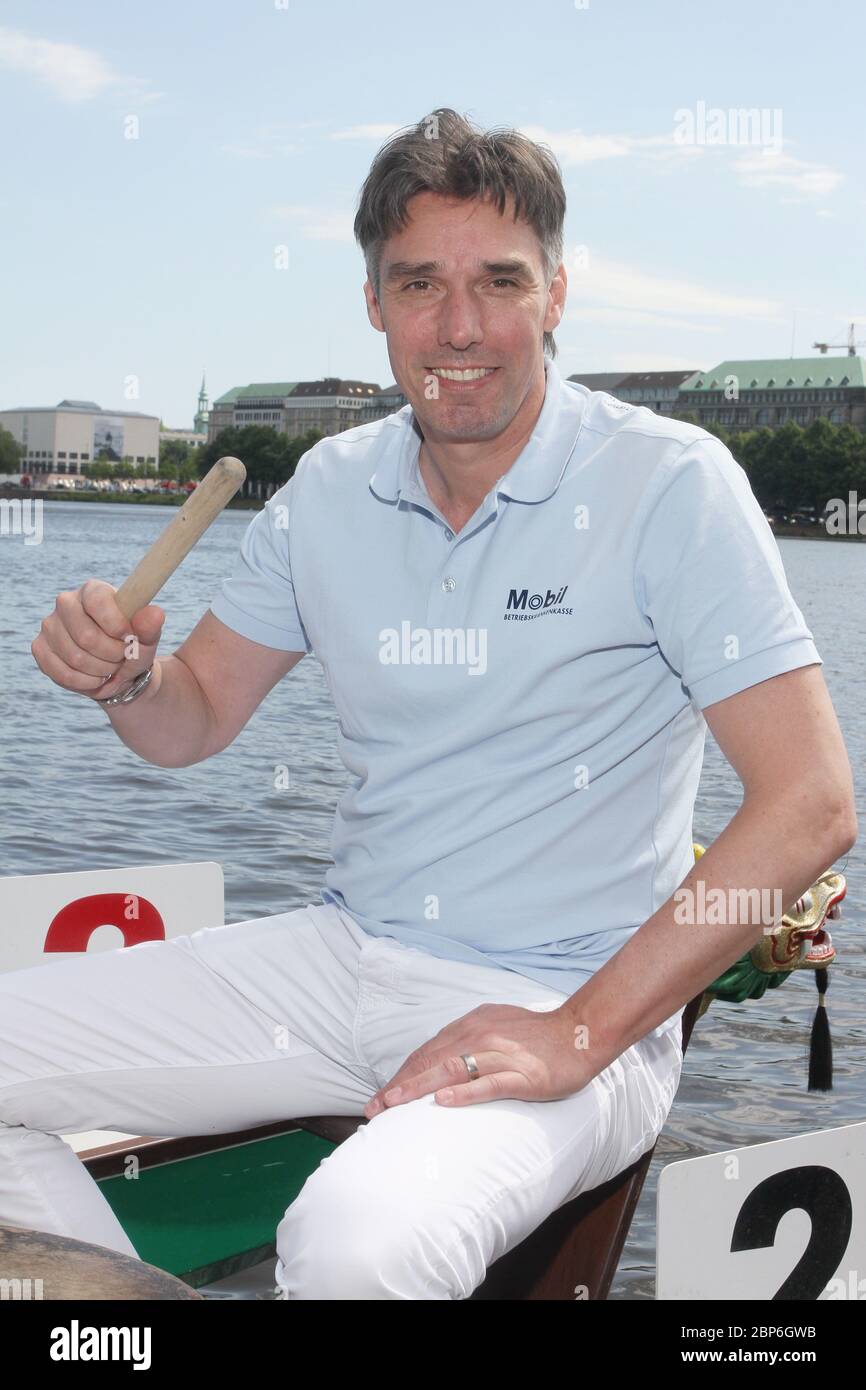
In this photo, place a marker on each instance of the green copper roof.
(779, 373)
(258, 390)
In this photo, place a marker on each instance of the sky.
(153, 157)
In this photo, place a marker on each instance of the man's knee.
(339, 1241)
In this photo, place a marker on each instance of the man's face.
(462, 287)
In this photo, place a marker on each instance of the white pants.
(304, 1013)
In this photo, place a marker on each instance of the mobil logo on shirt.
(522, 604)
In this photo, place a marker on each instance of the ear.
(374, 312)
(556, 296)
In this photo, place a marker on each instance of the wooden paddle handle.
(180, 535)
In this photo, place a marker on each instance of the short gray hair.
(445, 153)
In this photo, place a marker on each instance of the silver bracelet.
(142, 679)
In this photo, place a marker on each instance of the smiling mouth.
(462, 373)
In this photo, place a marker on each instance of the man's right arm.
(198, 699)
(201, 696)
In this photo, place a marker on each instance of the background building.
(329, 405)
(658, 391)
(58, 439)
(748, 393)
(190, 437)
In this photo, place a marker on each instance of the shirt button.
(449, 584)
(449, 535)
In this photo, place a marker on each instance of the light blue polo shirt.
(520, 705)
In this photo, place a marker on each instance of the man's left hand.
(520, 1054)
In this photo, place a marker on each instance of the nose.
(460, 324)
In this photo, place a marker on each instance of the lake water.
(75, 797)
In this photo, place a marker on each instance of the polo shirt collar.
(536, 472)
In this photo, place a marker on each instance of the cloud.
(771, 168)
(633, 361)
(576, 147)
(612, 292)
(247, 151)
(375, 131)
(73, 73)
(267, 141)
(633, 318)
(762, 167)
(318, 224)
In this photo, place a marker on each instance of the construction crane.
(851, 345)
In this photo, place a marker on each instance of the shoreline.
(161, 499)
(255, 504)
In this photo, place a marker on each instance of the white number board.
(49, 917)
(783, 1220)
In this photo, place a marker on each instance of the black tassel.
(821, 1044)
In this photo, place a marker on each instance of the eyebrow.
(416, 270)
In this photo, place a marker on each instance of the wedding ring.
(471, 1064)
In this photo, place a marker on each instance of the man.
(529, 600)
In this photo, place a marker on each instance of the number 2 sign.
(776, 1221)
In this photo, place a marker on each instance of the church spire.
(201, 415)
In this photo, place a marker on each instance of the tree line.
(791, 468)
(269, 458)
